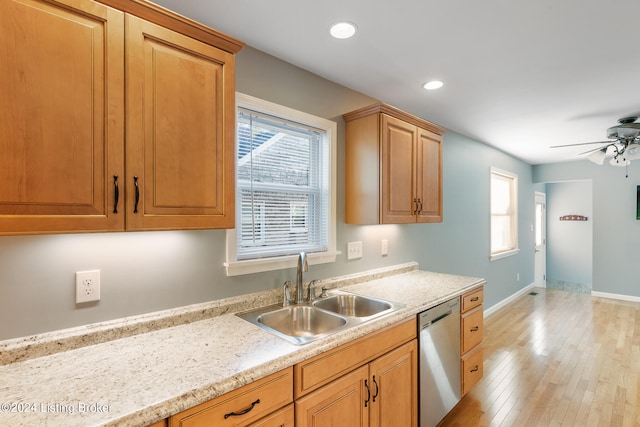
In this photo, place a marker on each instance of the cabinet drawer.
(324, 368)
(250, 402)
(472, 369)
(281, 418)
(472, 329)
(472, 299)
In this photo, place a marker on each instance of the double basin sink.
(303, 323)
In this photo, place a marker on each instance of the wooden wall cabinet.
(471, 337)
(393, 167)
(370, 382)
(63, 138)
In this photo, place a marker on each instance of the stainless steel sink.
(303, 323)
(353, 305)
(298, 323)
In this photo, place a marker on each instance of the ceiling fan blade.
(584, 143)
(590, 151)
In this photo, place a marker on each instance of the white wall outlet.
(384, 247)
(87, 286)
(354, 250)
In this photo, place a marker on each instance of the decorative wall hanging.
(573, 218)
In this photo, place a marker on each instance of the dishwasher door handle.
(437, 319)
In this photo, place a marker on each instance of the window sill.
(238, 268)
(504, 254)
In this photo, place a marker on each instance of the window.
(504, 214)
(285, 188)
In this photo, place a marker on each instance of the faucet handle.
(324, 293)
(311, 296)
(287, 294)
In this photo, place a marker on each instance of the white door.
(540, 240)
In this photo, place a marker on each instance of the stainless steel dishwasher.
(439, 329)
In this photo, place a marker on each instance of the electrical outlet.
(384, 247)
(87, 286)
(354, 250)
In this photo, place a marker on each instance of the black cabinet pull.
(377, 390)
(419, 205)
(244, 411)
(475, 369)
(366, 402)
(135, 183)
(474, 329)
(415, 206)
(116, 194)
(474, 299)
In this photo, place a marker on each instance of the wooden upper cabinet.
(63, 138)
(393, 167)
(180, 130)
(61, 115)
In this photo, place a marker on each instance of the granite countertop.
(137, 378)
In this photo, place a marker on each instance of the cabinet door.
(429, 176)
(394, 379)
(180, 131)
(340, 403)
(398, 173)
(61, 116)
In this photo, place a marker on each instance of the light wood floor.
(557, 359)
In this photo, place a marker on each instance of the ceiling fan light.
(597, 157)
(619, 161)
(633, 152)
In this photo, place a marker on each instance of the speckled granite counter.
(117, 374)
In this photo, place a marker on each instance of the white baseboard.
(506, 301)
(615, 296)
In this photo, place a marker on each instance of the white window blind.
(504, 213)
(282, 187)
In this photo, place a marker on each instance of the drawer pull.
(244, 411)
(475, 369)
(474, 299)
(474, 329)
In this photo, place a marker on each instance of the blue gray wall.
(145, 272)
(616, 232)
(569, 243)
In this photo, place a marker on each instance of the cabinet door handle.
(419, 205)
(116, 194)
(366, 402)
(415, 206)
(475, 369)
(244, 411)
(377, 390)
(474, 299)
(474, 329)
(135, 184)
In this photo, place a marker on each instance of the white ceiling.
(520, 76)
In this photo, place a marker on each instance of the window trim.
(234, 267)
(514, 195)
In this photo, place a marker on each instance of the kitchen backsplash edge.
(30, 347)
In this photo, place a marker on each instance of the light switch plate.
(354, 250)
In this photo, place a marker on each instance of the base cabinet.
(262, 403)
(471, 336)
(382, 392)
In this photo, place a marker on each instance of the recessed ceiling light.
(433, 84)
(343, 30)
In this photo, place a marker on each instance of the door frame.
(540, 250)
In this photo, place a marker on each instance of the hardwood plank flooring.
(557, 359)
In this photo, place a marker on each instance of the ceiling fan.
(622, 147)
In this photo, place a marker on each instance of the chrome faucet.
(302, 265)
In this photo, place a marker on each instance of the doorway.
(540, 240)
